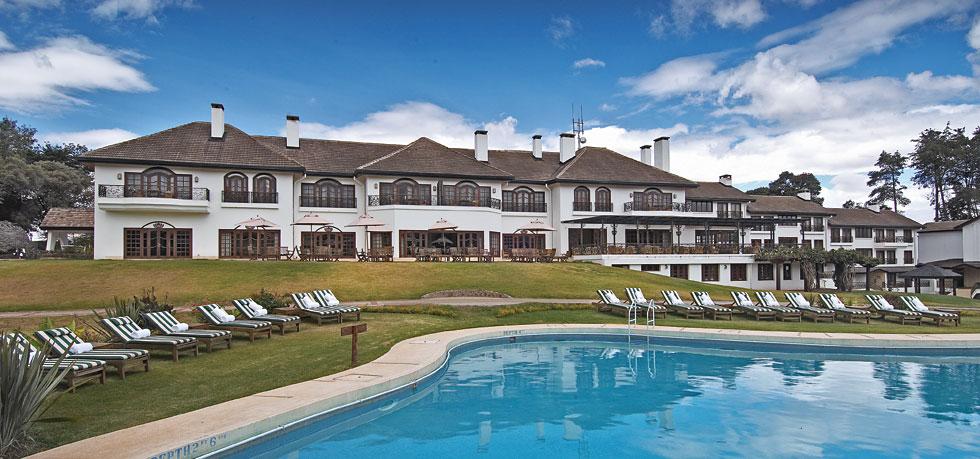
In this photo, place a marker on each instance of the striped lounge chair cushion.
(278, 319)
(72, 364)
(329, 301)
(167, 323)
(124, 328)
(245, 305)
(342, 309)
(60, 339)
(913, 303)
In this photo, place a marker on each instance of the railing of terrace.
(510, 206)
(340, 202)
(132, 191)
(257, 197)
(393, 199)
(663, 249)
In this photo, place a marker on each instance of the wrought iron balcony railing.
(255, 197)
(130, 191)
(510, 206)
(306, 200)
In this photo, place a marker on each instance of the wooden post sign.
(353, 330)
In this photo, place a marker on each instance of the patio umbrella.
(536, 225)
(365, 221)
(256, 222)
(442, 240)
(442, 225)
(311, 220)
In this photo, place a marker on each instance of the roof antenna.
(578, 125)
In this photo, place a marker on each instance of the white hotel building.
(182, 192)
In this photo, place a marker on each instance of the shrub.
(441, 311)
(25, 393)
(134, 308)
(13, 238)
(271, 300)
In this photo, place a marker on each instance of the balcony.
(808, 226)
(662, 249)
(603, 206)
(153, 199)
(895, 238)
(509, 206)
(888, 261)
(582, 206)
(730, 214)
(253, 197)
(397, 200)
(306, 200)
(837, 239)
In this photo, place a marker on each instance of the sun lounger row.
(130, 342)
(765, 306)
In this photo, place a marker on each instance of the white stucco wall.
(942, 245)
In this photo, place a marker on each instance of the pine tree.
(887, 181)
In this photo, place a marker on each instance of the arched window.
(406, 190)
(236, 187)
(582, 200)
(603, 200)
(523, 197)
(326, 193)
(652, 199)
(158, 182)
(467, 194)
(264, 188)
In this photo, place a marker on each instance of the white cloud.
(52, 75)
(136, 9)
(604, 107)
(95, 138)
(974, 36)
(684, 14)
(676, 77)
(561, 27)
(735, 13)
(5, 43)
(28, 4)
(588, 62)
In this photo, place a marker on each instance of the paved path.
(448, 301)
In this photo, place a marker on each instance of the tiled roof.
(330, 157)
(69, 218)
(948, 225)
(522, 165)
(602, 165)
(191, 145)
(764, 204)
(865, 217)
(426, 157)
(716, 191)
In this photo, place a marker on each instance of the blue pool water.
(605, 397)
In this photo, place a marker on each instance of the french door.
(157, 243)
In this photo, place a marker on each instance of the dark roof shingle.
(717, 191)
(602, 165)
(426, 157)
(765, 204)
(948, 225)
(78, 218)
(191, 145)
(330, 157)
(865, 217)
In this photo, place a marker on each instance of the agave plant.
(26, 391)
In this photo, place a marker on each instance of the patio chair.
(884, 309)
(798, 301)
(217, 318)
(674, 303)
(254, 311)
(328, 300)
(938, 316)
(128, 332)
(704, 300)
(608, 302)
(711, 309)
(832, 302)
(307, 306)
(166, 323)
(638, 299)
(62, 342)
(77, 371)
(784, 313)
(743, 302)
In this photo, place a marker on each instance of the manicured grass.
(86, 284)
(195, 382)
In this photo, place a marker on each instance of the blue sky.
(747, 87)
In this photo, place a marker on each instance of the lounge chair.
(77, 371)
(675, 304)
(832, 302)
(703, 300)
(254, 311)
(217, 318)
(638, 299)
(608, 301)
(884, 309)
(64, 342)
(784, 313)
(129, 333)
(170, 326)
(307, 306)
(938, 316)
(328, 300)
(798, 301)
(743, 302)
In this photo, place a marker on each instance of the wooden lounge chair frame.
(883, 313)
(750, 308)
(687, 310)
(783, 313)
(937, 315)
(846, 312)
(811, 312)
(174, 348)
(281, 324)
(636, 297)
(208, 341)
(121, 365)
(713, 309)
(248, 331)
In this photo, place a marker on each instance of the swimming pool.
(603, 396)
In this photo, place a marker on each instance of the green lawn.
(195, 382)
(86, 284)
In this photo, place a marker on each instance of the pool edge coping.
(208, 430)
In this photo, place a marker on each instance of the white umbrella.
(535, 226)
(256, 222)
(366, 221)
(312, 220)
(442, 225)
